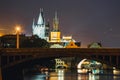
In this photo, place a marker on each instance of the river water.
(62, 74)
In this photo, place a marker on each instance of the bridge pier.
(0, 69)
(117, 61)
(0, 73)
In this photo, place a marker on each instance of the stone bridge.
(10, 57)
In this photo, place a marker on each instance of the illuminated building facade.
(55, 35)
(60, 63)
(40, 29)
(67, 39)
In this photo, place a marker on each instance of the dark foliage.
(9, 41)
(34, 42)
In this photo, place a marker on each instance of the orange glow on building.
(71, 45)
(1, 34)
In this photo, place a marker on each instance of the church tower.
(55, 33)
(39, 28)
(47, 30)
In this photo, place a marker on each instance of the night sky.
(86, 20)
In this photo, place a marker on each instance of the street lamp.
(17, 33)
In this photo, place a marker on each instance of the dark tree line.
(9, 41)
(34, 42)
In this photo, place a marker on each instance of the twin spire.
(41, 18)
(55, 23)
(41, 28)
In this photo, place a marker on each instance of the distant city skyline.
(86, 20)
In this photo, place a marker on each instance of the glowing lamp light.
(17, 29)
(1, 34)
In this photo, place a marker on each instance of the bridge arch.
(109, 56)
(106, 55)
(59, 63)
(30, 59)
(81, 62)
(99, 69)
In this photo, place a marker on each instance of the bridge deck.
(80, 51)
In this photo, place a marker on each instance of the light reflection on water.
(61, 74)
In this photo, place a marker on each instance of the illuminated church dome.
(56, 46)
